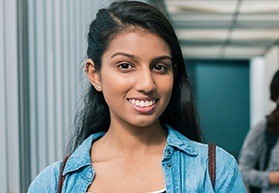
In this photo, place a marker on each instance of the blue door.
(222, 98)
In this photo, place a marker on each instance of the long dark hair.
(274, 87)
(180, 112)
(273, 118)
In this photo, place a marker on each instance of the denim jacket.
(184, 163)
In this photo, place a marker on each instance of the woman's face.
(136, 77)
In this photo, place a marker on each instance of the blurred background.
(231, 49)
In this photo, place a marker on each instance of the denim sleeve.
(228, 177)
(46, 181)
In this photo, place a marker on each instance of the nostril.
(145, 81)
(145, 86)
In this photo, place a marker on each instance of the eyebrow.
(134, 57)
(123, 54)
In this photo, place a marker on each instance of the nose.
(145, 81)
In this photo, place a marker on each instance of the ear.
(93, 75)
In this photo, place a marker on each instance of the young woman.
(138, 131)
(262, 146)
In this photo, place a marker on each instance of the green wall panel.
(222, 97)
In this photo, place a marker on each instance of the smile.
(142, 103)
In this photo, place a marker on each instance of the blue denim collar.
(179, 141)
(81, 156)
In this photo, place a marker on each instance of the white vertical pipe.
(51, 82)
(32, 91)
(12, 95)
(41, 83)
(70, 60)
(257, 90)
(3, 107)
(58, 6)
(272, 64)
(55, 50)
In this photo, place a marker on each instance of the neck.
(130, 140)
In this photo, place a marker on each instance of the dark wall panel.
(222, 97)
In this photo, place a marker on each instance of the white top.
(158, 191)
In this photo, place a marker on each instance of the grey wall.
(42, 44)
(9, 125)
(57, 42)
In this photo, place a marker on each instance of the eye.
(160, 68)
(124, 66)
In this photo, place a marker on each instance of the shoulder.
(254, 140)
(228, 176)
(225, 162)
(47, 180)
(258, 129)
(222, 156)
(199, 151)
(195, 149)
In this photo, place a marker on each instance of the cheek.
(165, 86)
(114, 86)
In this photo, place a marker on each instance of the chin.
(144, 123)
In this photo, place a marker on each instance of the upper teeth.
(142, 103)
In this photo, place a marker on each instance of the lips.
(143, 106)
(142, 103)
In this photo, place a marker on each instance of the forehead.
(139, 41)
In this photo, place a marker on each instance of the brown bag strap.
(212, 163)
(61, 177)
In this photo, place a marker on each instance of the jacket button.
(169, 165)
(190, 148)
(89, 175)
(169, 152)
